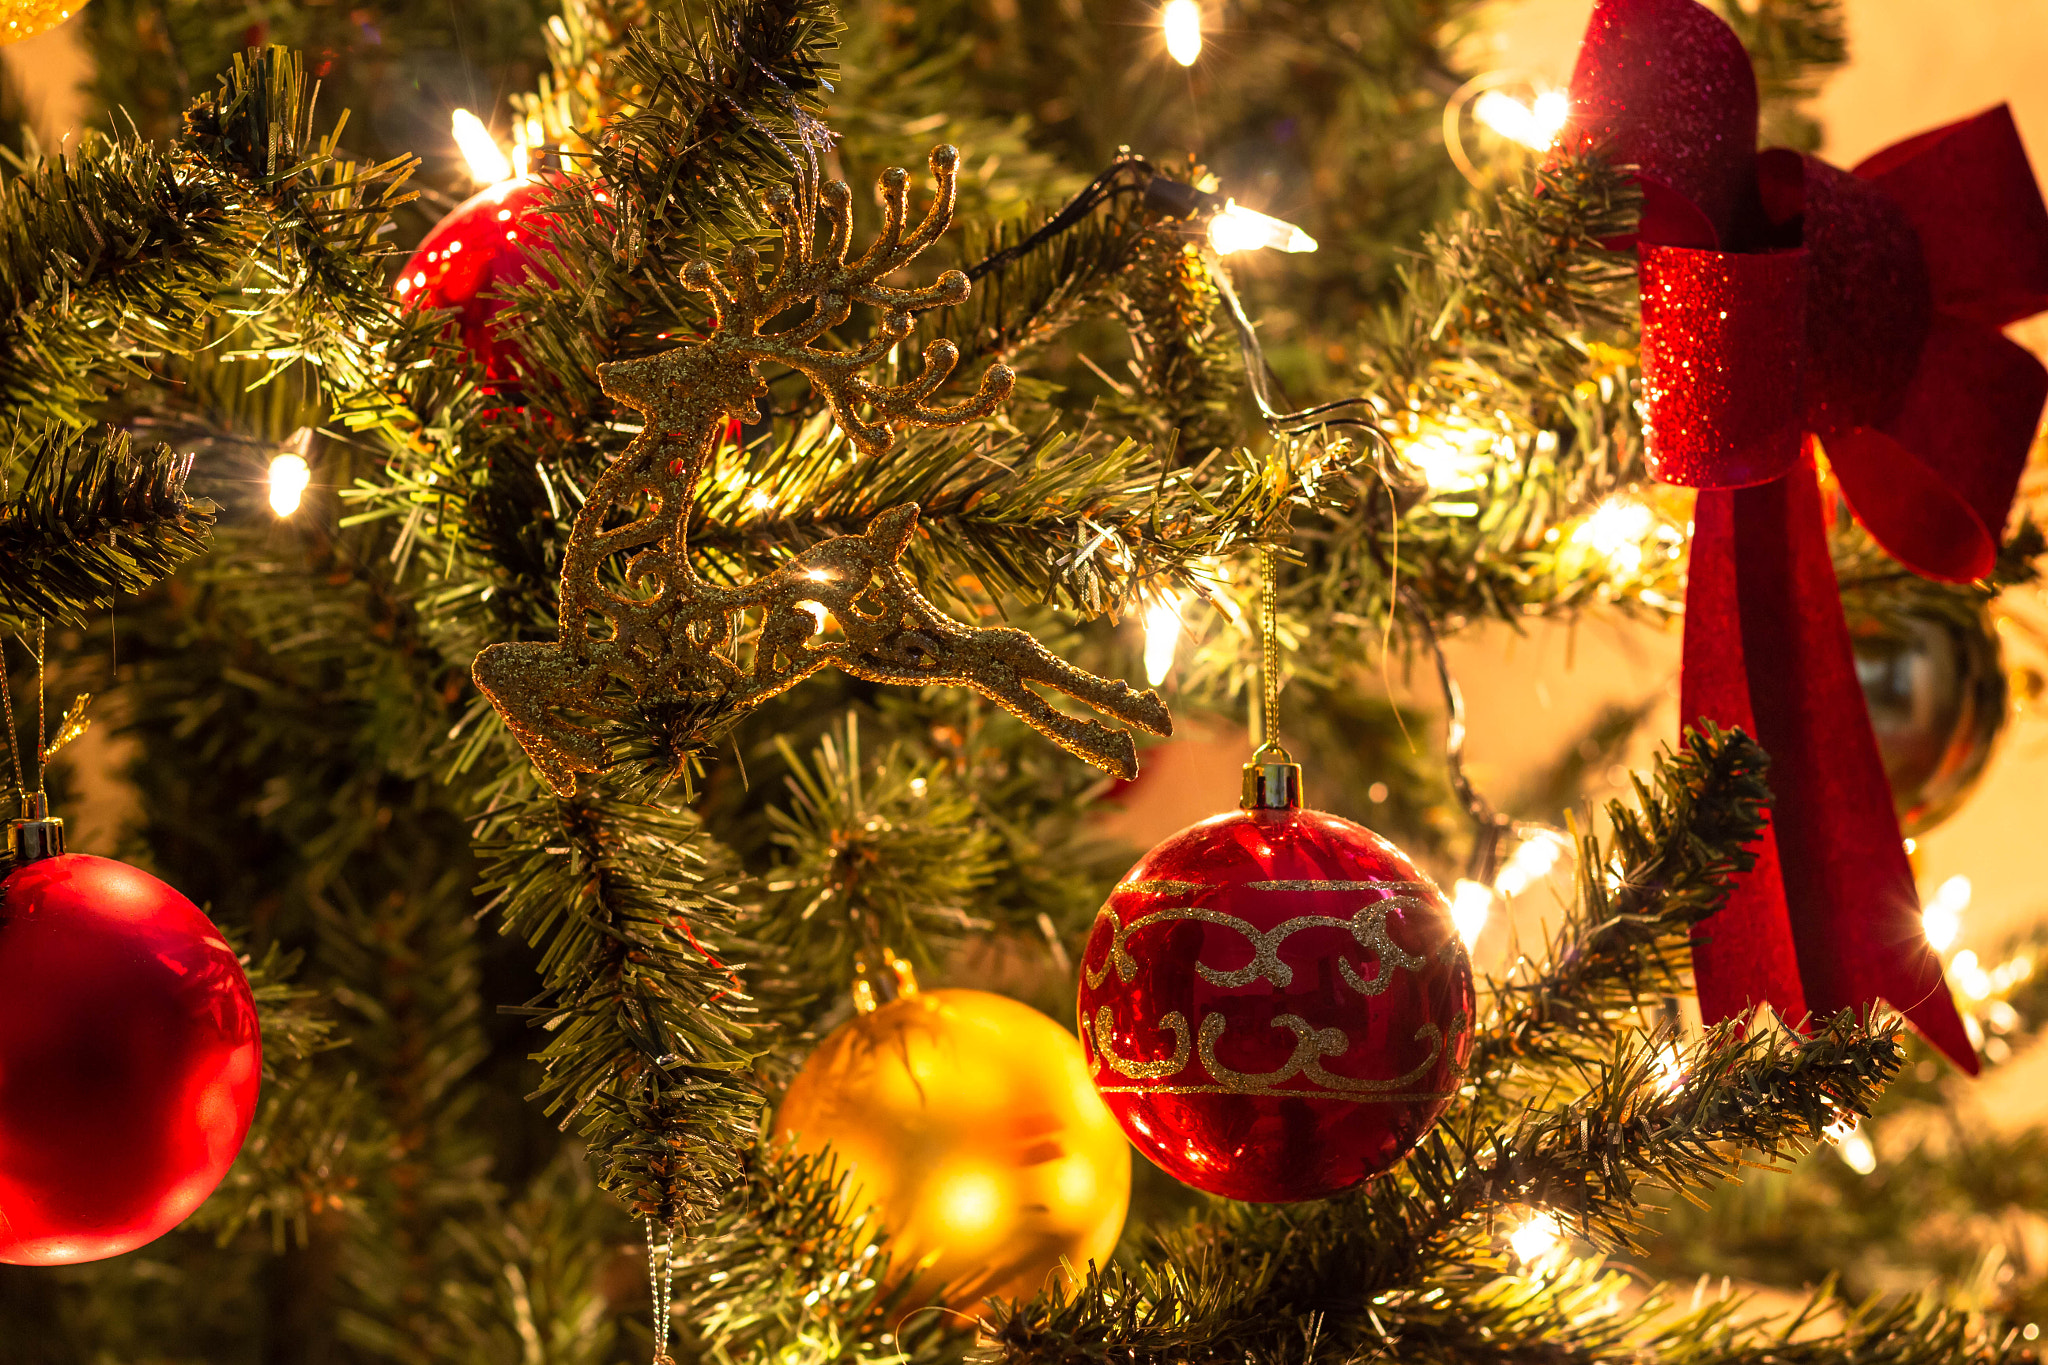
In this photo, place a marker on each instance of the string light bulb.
(1182, 22)
(1162, 637)
(1471, 904)
(1237, 228)
(1941, 919)
(488, 164)
(1537, 1238)
(1530, 863)
(1534, 126)
(289, 478)
(1851, 1145)
(1616, 531)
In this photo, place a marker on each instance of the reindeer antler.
(741, 304)
(668, 636)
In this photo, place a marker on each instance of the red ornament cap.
(1274, 1003)
(129, 1059)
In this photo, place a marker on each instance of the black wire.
(1098, 191)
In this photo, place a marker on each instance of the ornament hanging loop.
(1272, 780)
(875, 983)
(661, 1279)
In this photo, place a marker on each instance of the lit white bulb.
(1942, 917)
(1451, 459)
(1182, 20)
(1851, 1145)
(1530, 863)
(1162, 637)
(1537, 1238)
(1238, 228)
(1471, 904)
(488, 164)
(289, 476)
(1535, 127)
(1616, 532)
(1669, 1064)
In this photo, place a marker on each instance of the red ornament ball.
(471, 255)
(1275, 1005)
(129, 1059)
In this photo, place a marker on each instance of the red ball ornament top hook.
(37, 834)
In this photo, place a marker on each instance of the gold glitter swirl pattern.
(1311, 1046)
(1173, 1021)
(1368, 926)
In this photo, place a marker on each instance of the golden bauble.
(967, 1122)
(26, 18)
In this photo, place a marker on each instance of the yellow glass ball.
(966, 1121)
(26, 18)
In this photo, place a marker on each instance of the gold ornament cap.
(1272, 780)
(37, 834)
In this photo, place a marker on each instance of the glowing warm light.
(1535, 127)
(1238, 228)
(758, 501)
(1537, 1238)
(289, 476)
(1182, 20)
(970, 1204)
(1616, 532)
(1942, 917)
(1530, 863)
(1851, 1145)
(1969, 974)
(1451, 461)
(488, 164)
(1471, 903)
(1669, 1064)
(1162, 636)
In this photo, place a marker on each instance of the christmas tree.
(637, 649)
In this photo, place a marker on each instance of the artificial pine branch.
(878, 852)
(84, 519)
(649, 1031)
(299, 1161)
(1242, 1281)
(1668, 864)
(1512, 341)
(122, 251)
(1793, 46)
(783, 1276)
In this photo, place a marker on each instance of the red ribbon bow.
(1784, 301)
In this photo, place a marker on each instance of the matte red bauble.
(1274, 1002)
(470, 256)
(129, 1059)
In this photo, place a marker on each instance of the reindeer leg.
(526, 680)
(1105, 746)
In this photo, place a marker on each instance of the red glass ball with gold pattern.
(1275, 1005)
(483, 245)
(129, 1059)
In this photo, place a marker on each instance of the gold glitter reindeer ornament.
(652, 630)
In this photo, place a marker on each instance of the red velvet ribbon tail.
(1853, 908)
(1743, 955)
